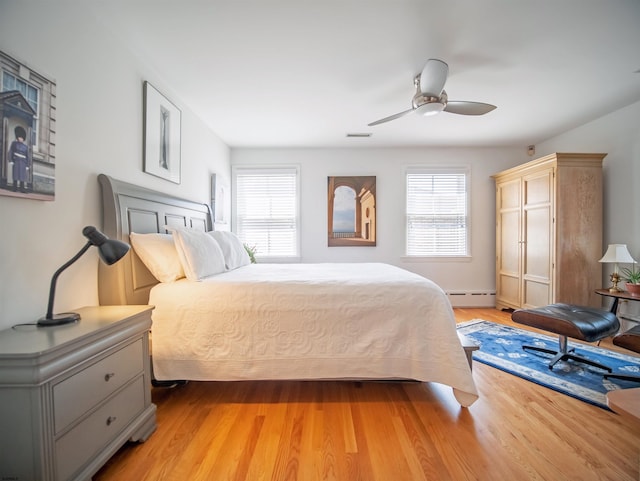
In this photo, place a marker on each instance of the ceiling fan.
(431, 99)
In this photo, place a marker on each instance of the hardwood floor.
(378, 431)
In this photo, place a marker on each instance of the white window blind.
(437, 220)
(266, 210)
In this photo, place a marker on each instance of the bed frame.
(129, 208)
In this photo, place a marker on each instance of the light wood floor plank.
(376, 431)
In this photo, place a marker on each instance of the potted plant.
(252, 252)
(632, 276)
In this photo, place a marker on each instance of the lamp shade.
(430, 108)
(617, 253)
(110, 250)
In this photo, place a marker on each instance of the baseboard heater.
(472, 298)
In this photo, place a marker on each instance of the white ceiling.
(302, 73)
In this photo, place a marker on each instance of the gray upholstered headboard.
(129, 208)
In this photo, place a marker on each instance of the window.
(437, 212)
(266, 210)
(30, 93)
(11, 82)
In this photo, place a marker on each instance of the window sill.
(436, 259)
(277, 260)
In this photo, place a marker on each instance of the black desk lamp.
(110, 250)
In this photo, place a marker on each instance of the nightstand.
(72, 395)
(469, 346)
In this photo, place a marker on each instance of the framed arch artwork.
(351, 211)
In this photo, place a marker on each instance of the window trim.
(426, 169)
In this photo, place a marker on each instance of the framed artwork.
(27, 131)
(162, 132)
(220, 200)
(351, 211)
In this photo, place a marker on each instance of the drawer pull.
(108, 376)
(111, 420)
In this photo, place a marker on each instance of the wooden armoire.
(549, 231)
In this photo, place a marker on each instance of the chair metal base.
(564, 354)
(623, 377)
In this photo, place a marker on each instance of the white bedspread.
(309, 321)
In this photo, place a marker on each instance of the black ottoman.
(629, 340)
(568, 320)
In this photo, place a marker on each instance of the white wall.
(478, 273)
(617, 134)
(99, 130)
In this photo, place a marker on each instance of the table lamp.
(110, 250)
(616, 253)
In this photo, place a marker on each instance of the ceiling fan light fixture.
(432, 108)
(431, 99)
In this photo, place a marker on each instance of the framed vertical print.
(162, 135)
(220, 201)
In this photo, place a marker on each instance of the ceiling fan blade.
(468, 108)
(433, 77)
(391, 117)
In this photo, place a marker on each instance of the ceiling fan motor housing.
(428, 105)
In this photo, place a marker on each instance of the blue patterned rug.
(501, 347)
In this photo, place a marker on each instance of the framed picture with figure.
(162, 135)
(28, 106)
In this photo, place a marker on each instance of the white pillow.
(158, 252)
(199, 253)
(235, 255)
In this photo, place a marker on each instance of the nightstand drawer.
(86, 439)
(79, 393)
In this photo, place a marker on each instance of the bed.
(358, 321)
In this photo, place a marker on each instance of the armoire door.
(508, 244)
(537, 239)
